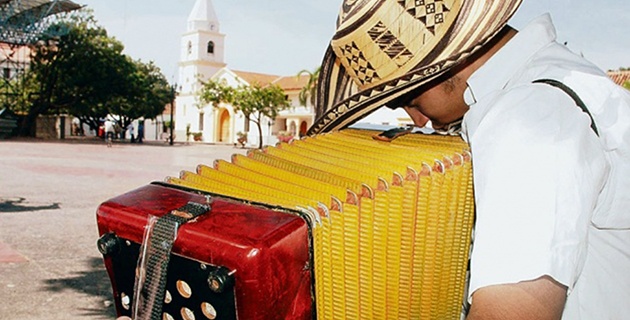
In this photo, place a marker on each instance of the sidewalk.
(49, 191)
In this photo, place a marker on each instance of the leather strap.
(156, 257)
(573, 96)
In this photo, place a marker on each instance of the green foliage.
(16, 93)
(256, 102)
(242, 138)
(626, 85)
(79, 72)
(309, 92)
(84, 73)
(167, 124)
(146, 94)
(216, 92)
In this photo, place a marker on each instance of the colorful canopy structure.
(23, 21)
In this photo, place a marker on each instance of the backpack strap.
(573, 96)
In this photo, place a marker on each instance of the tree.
(84, 73)
(147, 92)
(17, 92)
(78, 72)
(216, 92)
(309, 92)
(257, 103)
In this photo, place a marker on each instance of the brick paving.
(49, 191)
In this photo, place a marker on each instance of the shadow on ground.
(21, 205)
(94, 282)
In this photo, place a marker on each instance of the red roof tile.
(620, 77)
(259, 78)
(292, 83)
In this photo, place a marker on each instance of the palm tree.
(309, 92)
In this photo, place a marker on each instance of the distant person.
(140, 131)
(110, 131)
(120, 133)
(132, 136)
(75, 129)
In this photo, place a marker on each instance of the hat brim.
(340, 103)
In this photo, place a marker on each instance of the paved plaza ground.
(50, 267)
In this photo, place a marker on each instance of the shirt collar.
(499, 69)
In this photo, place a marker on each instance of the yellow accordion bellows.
(391, 221)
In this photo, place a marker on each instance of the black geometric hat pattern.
(359, 105)
(365, 72)
(429, 12)
(379, 36)
(386, 48)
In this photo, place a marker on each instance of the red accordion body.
(265, 251)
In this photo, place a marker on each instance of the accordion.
(334, 226)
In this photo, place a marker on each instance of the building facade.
(202, 57)
(14, 60)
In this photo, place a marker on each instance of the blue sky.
(283, 37)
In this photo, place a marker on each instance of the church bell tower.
(201, 56)
(202, 46)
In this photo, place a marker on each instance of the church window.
(210, 47)
(189, 49)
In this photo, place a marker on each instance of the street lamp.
(172, 123)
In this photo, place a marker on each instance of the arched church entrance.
(224, 126)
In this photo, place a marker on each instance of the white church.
(201, 59)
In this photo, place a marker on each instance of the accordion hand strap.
(155, 255)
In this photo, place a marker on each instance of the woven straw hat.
(384, 49)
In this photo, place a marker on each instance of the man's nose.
(418, 118)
